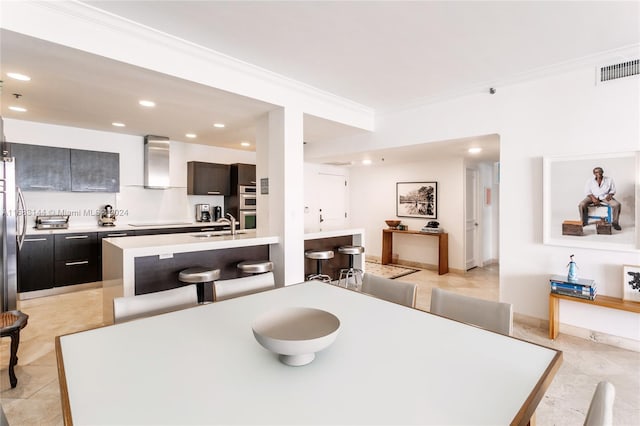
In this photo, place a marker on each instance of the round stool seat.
(319, 254)
(255, 266)
(351, 250)
(199, 274)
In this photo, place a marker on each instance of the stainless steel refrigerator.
(12, 228)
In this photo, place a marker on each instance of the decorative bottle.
(573, 270)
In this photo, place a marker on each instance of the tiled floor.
(36, 399)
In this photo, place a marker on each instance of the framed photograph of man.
(592, 201)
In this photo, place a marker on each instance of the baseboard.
(583, 333)
(58, 290)
(490, 262)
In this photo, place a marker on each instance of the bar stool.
(199, 275)
(253, 267)
(319, 256)
(11, 322)
(351, 272)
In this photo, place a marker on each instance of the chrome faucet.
(231, 221)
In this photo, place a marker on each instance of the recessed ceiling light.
(17, 109)
(19, 76)
(474, 150)
(366, 162)
(191, 135)
(245, 144)
(218, 125)
(147, 103)
(117, 124)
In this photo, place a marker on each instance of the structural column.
(280, 159)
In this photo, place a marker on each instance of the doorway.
(471, 220)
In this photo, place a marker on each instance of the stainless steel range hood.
(156, 162)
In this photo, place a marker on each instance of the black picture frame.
(417, 199)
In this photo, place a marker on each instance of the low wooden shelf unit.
(443, 247)
(604, 301)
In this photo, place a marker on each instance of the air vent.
(616, 71)
(339, 163)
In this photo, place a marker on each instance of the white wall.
(373, 195)
(563, 114)
(140, 204)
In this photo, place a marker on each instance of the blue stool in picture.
(599, 212)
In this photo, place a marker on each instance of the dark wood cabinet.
(35, 264)
(76, 258)
(94, 171)
(42, 168)
(47, 168)
(208, 178)
(242, 174)
(48, 261)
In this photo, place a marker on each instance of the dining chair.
(601, 408)
(235, 287)
(390, 290)
(487, 314)
(144, 305)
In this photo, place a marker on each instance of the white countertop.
(316, 235)
(147, 245)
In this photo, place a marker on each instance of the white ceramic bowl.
(296, 333)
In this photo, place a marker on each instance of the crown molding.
(25, 17)
(620, 54)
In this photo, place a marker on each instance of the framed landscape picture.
(417, 199)
(631, 283)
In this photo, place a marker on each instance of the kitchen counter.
(119, 256)
(123, 227)
(316, 235)
(331, 239)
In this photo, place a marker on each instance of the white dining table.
(389, 365)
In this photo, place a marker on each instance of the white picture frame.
(564, 180)
(631, 283)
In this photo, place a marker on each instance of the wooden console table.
(443, 247)
(605, 301)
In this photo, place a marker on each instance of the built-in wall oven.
(247, 219)
(247, 206)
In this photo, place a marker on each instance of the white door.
(332, 201)
(471, 240)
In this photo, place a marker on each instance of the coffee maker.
(217, 213)
(203, 213)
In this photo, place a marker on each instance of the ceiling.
(383, 55)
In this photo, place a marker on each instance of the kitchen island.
(331, 240)
(147, 263)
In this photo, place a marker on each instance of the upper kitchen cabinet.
(42, 168)
(48, 168)
(93, 171)
(243, 174)
(207, 178)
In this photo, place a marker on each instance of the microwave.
(247, 197)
